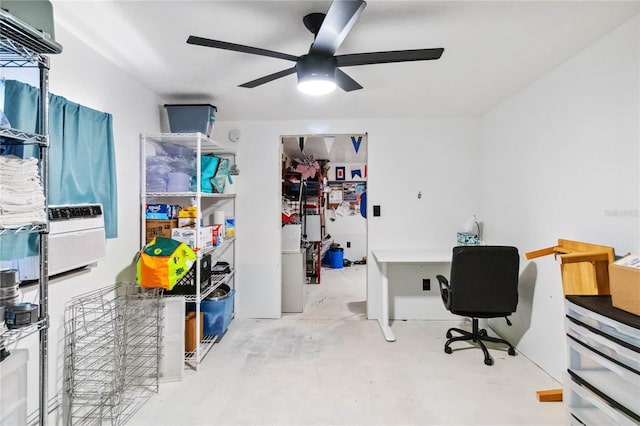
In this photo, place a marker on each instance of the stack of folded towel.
(21, 196)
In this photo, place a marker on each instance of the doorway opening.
(324, 226)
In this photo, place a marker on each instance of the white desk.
(384, 257)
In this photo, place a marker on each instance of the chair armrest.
(445, 291)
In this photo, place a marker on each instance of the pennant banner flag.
(356, 142)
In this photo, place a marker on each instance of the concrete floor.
(332, 366)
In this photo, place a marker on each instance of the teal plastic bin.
(191, 118)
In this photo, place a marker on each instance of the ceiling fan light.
(316, 74)
(316, 87)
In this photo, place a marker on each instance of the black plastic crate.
(187, 284)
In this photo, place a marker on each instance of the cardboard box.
(188, 236)
(160, 228)
(187, 222)
(230, 227)
(624, 281)
(162, 211)
(190, 341)
(190, 211)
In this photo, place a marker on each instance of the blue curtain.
(82, 166)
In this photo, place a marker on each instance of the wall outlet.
(348, 244)
(426, 284)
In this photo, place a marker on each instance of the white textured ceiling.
(492, 50)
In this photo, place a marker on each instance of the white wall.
(561, 160)
(350, 229)
(434, 156)
(82, 76)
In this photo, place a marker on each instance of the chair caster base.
(479, 337)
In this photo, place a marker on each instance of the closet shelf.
(12, 335)
(18, 137)
(216, 281)
(36, 227)
(218, 250)
(24, 41)
(203, 349)
(208, 146)
(190, 194)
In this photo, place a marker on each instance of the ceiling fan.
(318, 70)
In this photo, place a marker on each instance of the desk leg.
(384, 321)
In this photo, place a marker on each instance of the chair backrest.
(484, 280)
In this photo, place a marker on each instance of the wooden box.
(584, 266)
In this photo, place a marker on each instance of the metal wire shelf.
(216, 281)
(18, 137)
(36, 227)
(12, 335)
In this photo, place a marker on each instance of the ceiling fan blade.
(388, 57)
(345, 82)
(268, 78)
(341, 17)
(200, 41)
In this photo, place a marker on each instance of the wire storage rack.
(112, 353)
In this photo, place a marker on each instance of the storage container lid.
(190, 105)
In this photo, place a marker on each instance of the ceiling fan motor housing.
(316, 67)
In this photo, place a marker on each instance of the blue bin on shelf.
(217, 314)
(334, 258)
(191, 118)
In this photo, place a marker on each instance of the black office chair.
(484, 284)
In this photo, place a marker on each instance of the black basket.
(187, 284)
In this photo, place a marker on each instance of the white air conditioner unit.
(76, 237)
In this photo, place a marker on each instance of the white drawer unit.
(589, 409)
(602, 384)
(627, 331)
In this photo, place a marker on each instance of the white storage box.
(188, 236)
(291, 234)
(171, 368)
(313, 227)
(608, 326)
(617, 382)
(590, 408)
(13, 388)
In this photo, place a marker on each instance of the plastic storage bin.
(334, 258)
(616, 381)
(589, 408)
(599, 343)
(217, 314)
(191, 118)
(13, 389)
(601, 323)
